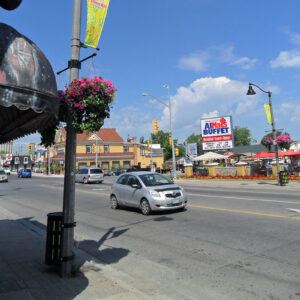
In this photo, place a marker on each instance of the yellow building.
(112, 151)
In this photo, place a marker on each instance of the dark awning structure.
(28, 91)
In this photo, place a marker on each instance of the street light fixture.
(171, 128)
(251, 92)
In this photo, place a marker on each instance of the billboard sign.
(192, 149)
(217, 133)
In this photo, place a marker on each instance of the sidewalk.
(24, 275)
(264, 184)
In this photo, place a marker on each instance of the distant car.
(88, 175)
(24, 173)
(6, 170)
(3, 176)
(115, 172)
(148, 191)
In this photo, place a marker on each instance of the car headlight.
(154, 194)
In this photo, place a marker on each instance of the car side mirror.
(135, 186)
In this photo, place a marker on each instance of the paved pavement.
(25, 276)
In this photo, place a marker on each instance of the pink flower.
(82, 106)
(77, 104)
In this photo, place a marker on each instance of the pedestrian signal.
(155, 130)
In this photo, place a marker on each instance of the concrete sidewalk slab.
(24, 274)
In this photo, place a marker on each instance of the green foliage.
(162, 138)
(242, 136)
(193, 138)
(48, 136)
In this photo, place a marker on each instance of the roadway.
(232, 242)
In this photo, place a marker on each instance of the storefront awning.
(28, 91)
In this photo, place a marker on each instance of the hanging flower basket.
(267, 141)
(284, 141)
(89, 101)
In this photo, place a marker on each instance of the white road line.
(279, 192)
(98, 189)
(240, 198)
(294, 210)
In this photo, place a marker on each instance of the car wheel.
(85, 181)
(101, 181)
(114, 202)
(145, 207)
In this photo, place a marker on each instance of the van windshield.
(96, 171)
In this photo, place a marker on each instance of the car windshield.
(155, 179)
(27, 170)
(2, 172)
(96, 171)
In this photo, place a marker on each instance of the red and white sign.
(8, 157)
(217, 133)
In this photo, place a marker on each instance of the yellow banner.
(268, 113)
(96, 13)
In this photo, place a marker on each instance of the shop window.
(106, 148)
(116, 164)
(105, 165)
(82, 165)
(126, 164)
(88, 149)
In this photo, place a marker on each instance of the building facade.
(7, 147)
(107, 150)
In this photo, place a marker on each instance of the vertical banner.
(268, 113)
(192, 149)
(96, 13)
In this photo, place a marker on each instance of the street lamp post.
(252, 92)
(171, 128)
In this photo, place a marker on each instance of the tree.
(242, 136)
(162, 138)
(193, 138)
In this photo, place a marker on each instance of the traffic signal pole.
(69, 180)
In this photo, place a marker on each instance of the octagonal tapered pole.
(70, 159)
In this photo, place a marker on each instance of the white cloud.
(227, 55)
(196, 61)
(245, 63)
(204, 97)
(287, 59)
(211, 114)
(291, 110)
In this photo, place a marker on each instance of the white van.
(88, 175)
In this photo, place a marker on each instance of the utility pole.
(69, 180)
(48, 160)
(96, 153)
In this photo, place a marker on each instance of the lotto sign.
(217, 133)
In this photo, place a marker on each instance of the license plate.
(176, 201)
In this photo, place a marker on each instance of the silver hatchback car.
(148, 191)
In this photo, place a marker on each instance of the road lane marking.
(243, 212)
(241, 198)
(294, 210)
(98, 189)
(77, 190)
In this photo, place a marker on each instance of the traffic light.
(148, 145)
(155, 126)
(170, 140)
(29, 148)
(94, 148)
(176, 151)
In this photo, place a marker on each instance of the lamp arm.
(158, 100)
(259, 88)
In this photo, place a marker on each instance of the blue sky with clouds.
(206, 50)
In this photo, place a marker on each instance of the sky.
(207, 51)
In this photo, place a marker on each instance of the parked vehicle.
(3, 176)
(88, 175)
(148, 191)
(24, 173)
(6, 170)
